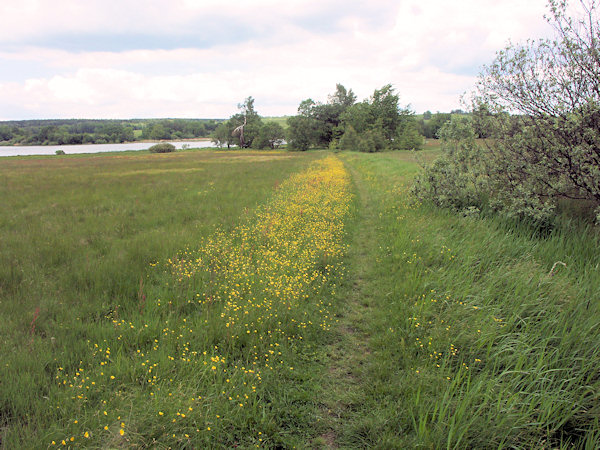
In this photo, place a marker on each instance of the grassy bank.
(478, 336)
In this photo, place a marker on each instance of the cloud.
(199, 58)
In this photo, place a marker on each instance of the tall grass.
(223, 299)
(476, 341)
(79, 235)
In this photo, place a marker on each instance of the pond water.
(93, 148)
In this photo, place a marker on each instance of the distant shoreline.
(147, 141)
(141, 141)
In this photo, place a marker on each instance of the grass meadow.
(206, 299)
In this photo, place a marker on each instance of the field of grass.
(208, 299)
(282, 120)
(478, 335)
(79, 235)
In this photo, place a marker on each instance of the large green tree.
(223, 135)
(381, 117)
(302, 132)
(271, 135)
(318, 124)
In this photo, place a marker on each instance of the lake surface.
(93, 148)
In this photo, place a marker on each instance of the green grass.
(78, 237)
(282, 120)
(334, 321)
(473, 340)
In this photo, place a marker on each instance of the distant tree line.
(75, 131)
(375, 124)
(247, 129)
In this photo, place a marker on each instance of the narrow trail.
(349, 354)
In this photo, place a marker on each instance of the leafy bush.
(60, 152)
(349, 140)
(539, 104)
(457, 179)
(408, 136)
(372, 141)
(163, 147)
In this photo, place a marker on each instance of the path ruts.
(349, 354)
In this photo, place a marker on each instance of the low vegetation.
(538, 104)
(475, 333)
(163, 147)
(328, 308)
(446, 298)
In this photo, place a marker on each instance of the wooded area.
(81, 131)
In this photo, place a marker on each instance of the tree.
(115, 132)
(539, 102)
(432, 127)
(321, 123)
(5, 133)
(223, 135)
(372, 141)
(341, 97)
(302, 132)
(482, 121)
(358, 117)
(408, 136)
(381, 117)
(271, 135)
(247, 123)
(158, 132)
(554, 88)
(385, 111)
(349, 140)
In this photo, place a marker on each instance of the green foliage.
(539, 104)
(318, 124)
(372, 141)
(475, 337)
(163, 147)
(432, 126)
(158, 132)
(302, 132)
(381, 118)
(349, 140)
(6, 133)
(372, 125)
(408, 136)
(385, 112)
(68, 132)
(271, 135)
(456, 179)
(222, 136)
(358, 117)
(60, 152)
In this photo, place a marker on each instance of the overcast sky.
(200, 58)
